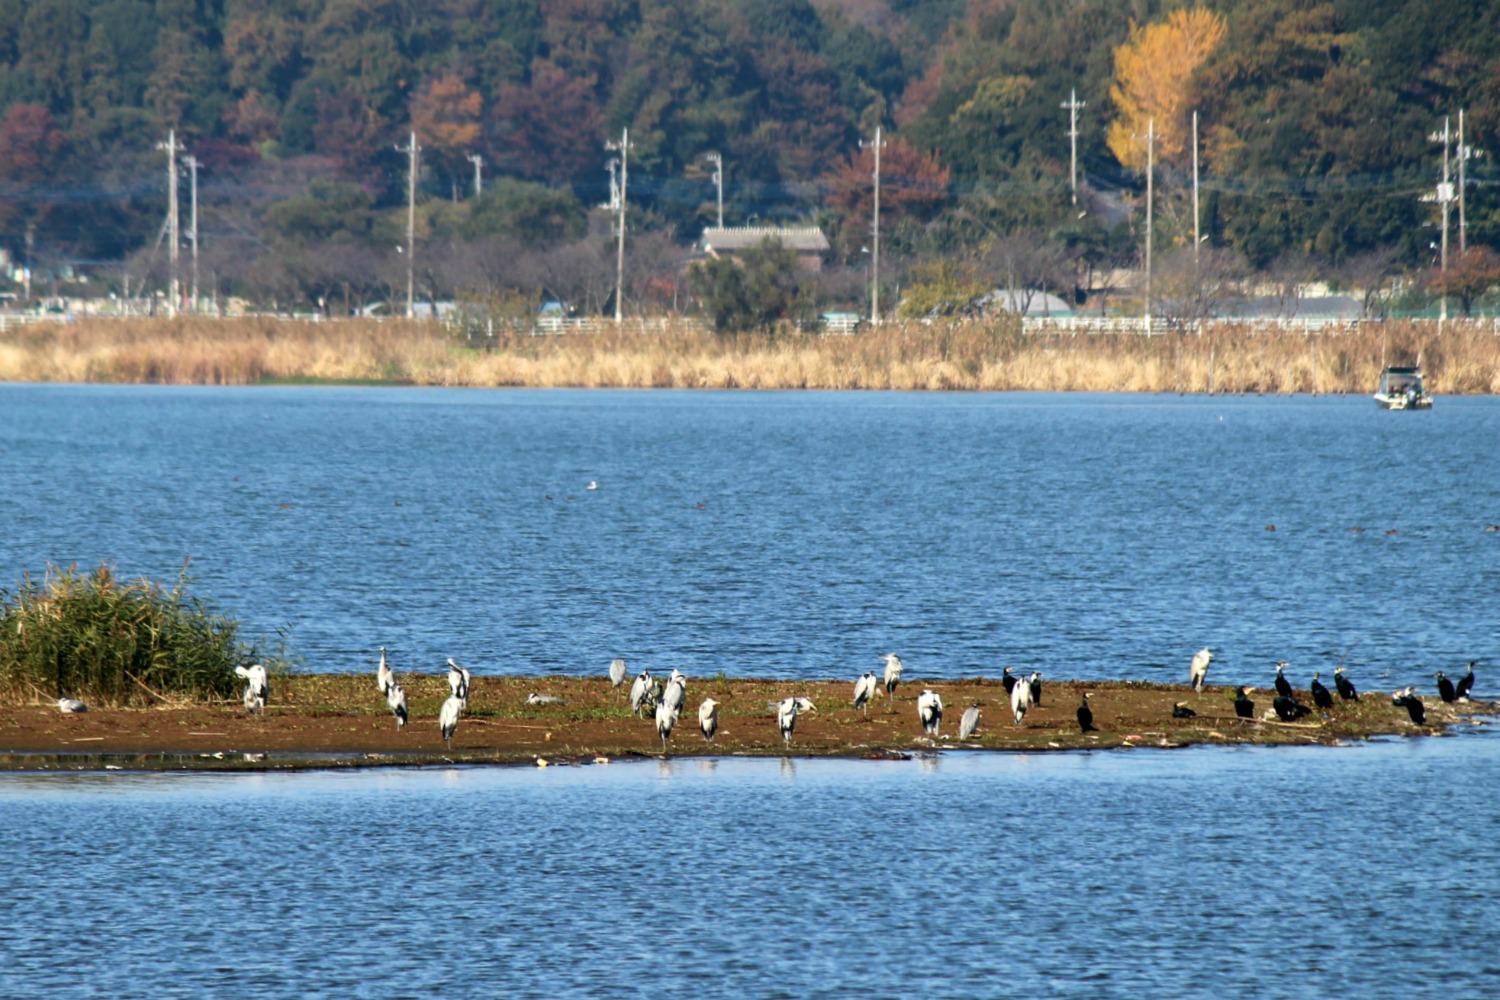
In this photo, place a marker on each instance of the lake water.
(795, 534)
(783, 534)
(1350, 872)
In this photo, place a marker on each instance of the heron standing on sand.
(786, 719)
(864, 690)
(892, 676)
(256, 688)
(617, 671)
(708, 718)
(395, 697)
(448, 718)
(640, 691)
(1198, 669)
(930, 711)
(969, 722)
(666, 718)
(1020, 700)
(458, 683)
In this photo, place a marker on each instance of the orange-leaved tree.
(912, 184)
(1153, 72)
(446, 116)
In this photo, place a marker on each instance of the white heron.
(892, 675)
(864, 689)
(384, 675)
(396, 698)
(617, 671)
(708, 718)
(68, 706)
(458, 683)
(640, 692)
(786, 718)
(969, 722)
(666, 718)
(930, 710)
(1198, 669)
(448, 718)
(806, 705)
(256, 688)
(1020, 700)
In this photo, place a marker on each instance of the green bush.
(114, 643)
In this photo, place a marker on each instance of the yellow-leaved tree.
(1153, 70)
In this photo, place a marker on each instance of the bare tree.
(1189, 290)
(1370, 275)
(1287, 275)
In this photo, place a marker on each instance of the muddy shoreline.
(337, 721)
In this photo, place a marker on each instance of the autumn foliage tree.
(1153, 75)
(446, 116)
(1469, 275)
(913, 184)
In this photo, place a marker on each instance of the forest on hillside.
(1315, 146)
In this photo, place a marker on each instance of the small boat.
(1401, 389)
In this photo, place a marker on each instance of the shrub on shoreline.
(112, 642)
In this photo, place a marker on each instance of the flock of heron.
(666, 701)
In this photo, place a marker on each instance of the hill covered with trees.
(1313, 146)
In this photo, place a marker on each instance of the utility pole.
(478, 162)
(411, 149)
(1073, 105)
(172, 225)
(718, 162)
(875, 258)
(30, 258)
(1444, 199)
(1150, 192)
(192, 165)
(624, 149)
(1197, 240)
(1463, 155)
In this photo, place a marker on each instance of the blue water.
(796, 534)
(1354, 872)
(1085, 536)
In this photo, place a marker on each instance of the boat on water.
(1401, 389)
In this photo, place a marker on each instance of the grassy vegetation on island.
(1460, 357)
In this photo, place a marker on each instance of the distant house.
(807, 242)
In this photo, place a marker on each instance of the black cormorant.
(1466, 682)
(1288, 709)
(1320, 694)
(1085, 716)
(1445, 688)
(1243, 706)
(1181, 711)
(1283, 686)
(1346, 687)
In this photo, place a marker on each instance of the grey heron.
(806, 705)
(666, 718)
(1198, 669)
(458, 683)
(68, 706)
(1085, 716)
(864, 689)
(544, 699)
(969, 722)
(641, 692)
(892, 676)
(384, 675)
(708, 718)
(786, 718)
(1283, 686)
(448, 717)
(1345, 686)
(395, 697)
(1020, 700)
(256, 688)
(617, 671)
(676, 693)
(930, 711)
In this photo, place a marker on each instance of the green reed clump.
(112, 642)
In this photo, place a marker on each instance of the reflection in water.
(788, 767)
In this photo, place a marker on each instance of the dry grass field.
(1459, 358)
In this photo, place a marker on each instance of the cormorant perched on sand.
(1346, 687)
(1243, 706)
(1466, 682)
(1446, 690)
(1198, 669)
(1035, 680)
(1085, 716)
(1288, 710)
(1408, 700)
(1283, 686)
(1320, 694)
(1181, 711)
(1008, 679)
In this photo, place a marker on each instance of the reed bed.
(113, 642)
(1458, 357)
